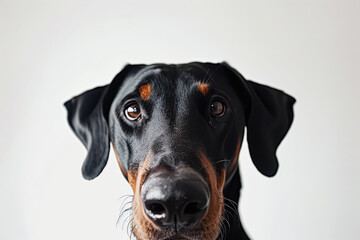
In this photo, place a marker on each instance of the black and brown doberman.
(177, 131)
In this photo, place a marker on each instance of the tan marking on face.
(145, 91)
(204, 88)
(132, 177)
(236, 157)
(120, 165)
(221, 180)
(211, 222)
(142, 225)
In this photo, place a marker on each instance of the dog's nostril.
(192, 208)
(155, 210)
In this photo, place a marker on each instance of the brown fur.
(211, 222)
(142, 225)
(145, 91)
(204, 88)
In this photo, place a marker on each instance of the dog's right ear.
(88, 118)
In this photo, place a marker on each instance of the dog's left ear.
(269, 115)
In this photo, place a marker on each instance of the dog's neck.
(232, 227)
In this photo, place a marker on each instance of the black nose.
(175, 200)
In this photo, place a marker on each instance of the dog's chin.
(194, 234)
(180, 237)
(199, 232)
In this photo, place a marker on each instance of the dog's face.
(171, 125)
(177, 132)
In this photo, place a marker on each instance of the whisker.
(226, 221)
(126, 198)
(232, 201)
(125, 210)
(128, 209)
(222, 228)
(233, 209)
(129, 226)
(121, 211)
(122, 227)
(126, 195)
(232, 204)
(221, 161)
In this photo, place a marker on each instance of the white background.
(53, 50)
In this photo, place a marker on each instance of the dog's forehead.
(169, 77)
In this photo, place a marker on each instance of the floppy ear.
(88, 118)
(268, 118)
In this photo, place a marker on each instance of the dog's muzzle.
(175, 200)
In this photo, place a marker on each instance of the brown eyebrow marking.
(204, 88)
(145, 91)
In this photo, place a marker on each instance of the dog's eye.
(217, 108)
(133, 112)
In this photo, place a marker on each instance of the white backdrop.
(52, 50)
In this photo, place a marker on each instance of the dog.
(177, 131)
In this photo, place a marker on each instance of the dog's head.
(177, 131)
